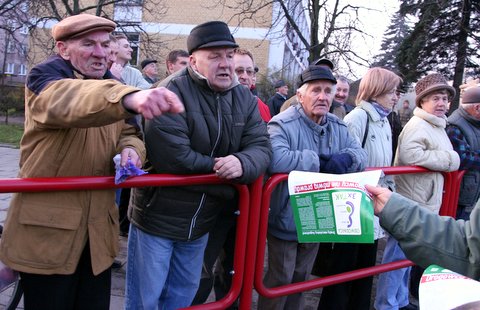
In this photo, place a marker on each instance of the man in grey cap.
(220, 132)
(304, 137)
(464, 132)
(63, 243)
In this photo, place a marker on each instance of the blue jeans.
(162, 273)
(392, 286)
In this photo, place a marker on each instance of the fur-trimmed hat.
(210, 34)
(77, 25)
(471, 95)
(429, 84)
(313, 73)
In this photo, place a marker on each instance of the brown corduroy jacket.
(73, 128)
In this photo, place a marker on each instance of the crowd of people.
(86, 104)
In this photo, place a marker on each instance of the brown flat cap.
(471, 95)
(77, 25)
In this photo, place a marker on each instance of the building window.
(11, 47)
(130, 14)
(23, 70)
(24, 29)
(23, 50)
(24, 7)
(10, 69)
(130, 2)
(11, 24)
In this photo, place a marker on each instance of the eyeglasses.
(240, 71)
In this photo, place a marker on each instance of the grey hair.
(342, 79)
(303, 89)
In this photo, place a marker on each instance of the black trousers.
(123, 211)
(81, 290)
(354, 295)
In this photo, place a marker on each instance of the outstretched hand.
(153, 102)
(380, 197)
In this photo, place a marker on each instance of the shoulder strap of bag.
(366, 130)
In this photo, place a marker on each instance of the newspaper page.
(332, 207)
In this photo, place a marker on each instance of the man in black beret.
(305, 137)
(63, 243)
(276, 101)
(149, 70)
(220, 132)
(463, 129)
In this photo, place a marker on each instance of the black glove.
(338, 164)
(323, 161)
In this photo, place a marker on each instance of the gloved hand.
(324, 158)
(338, 164)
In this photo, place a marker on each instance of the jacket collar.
(203, 82)
(475, 122)
(430, 118)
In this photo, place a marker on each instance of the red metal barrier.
(452, 184)
(102, 183)
(251, 229)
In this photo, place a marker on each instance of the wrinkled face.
(388, 100)
(436, 103)
(180, 63)
(124, 51)
(216, 64)
(283, 90)
(244, 69)
(341, 94)
(89, 54)
(151, 69)
(317, 99)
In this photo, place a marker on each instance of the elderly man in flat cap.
(305, 137)
(64, 243)
(221, 131)
(464, 133)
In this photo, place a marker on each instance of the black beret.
(146, 62)
(313, 73)
(471, 95)
(210, 34)
(323, 61)
(280, 83)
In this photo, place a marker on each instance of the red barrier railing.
(252, 225)
(450, 198)
(102, 183)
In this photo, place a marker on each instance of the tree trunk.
(461, 52)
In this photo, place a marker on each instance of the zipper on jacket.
(204, 196)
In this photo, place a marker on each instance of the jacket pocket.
(46, 234)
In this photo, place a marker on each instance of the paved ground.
(8, 169)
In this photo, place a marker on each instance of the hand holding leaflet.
(123, 173)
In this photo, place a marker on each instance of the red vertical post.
(252, 239)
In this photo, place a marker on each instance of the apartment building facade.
(155, 27)
(13, 46)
